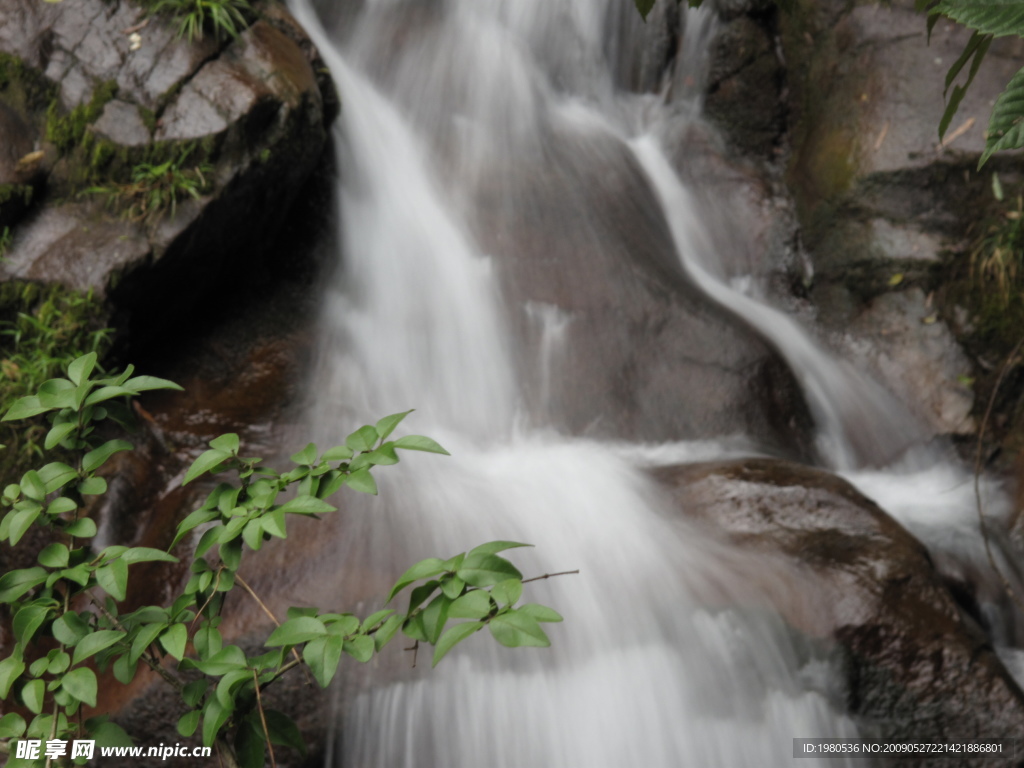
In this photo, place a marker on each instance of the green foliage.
(195, 18)
(988, 19)
(68, 621)
(5, 242)
(67, 131)
(156, 189)
(42, 329)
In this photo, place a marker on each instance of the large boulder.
(102, 92)
(919, 667)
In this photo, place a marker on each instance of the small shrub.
(222, 18)
(156, 189)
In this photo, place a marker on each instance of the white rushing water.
(669, 655)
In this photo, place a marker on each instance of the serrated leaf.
(113, 578)
(420, 443)
(294, 631)
(422, 570)
(387, 425)
(361, 480)
(515, 629)
(991, 17)
(363, 439)
(97, 457)
(472, 605)
(95, 642)
(484, 570)
(81, 683)
(1006, 125)
(452, 637)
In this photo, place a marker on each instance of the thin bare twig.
(977, 477)
(551, 575)
(270, 614)
(263, 719)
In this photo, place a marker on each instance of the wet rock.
(248, 115)
(919, 667)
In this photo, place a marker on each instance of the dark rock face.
(919, 668)
(249, 113)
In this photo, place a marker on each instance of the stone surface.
(919, 667)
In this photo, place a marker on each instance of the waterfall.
(670, 653)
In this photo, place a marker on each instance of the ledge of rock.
(919, 667)
(93, 90)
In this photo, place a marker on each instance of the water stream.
(670, 654)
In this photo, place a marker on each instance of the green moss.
(68, 131)
(24, 87)
(148, 117)
(43, 327)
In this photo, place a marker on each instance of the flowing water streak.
(642, 673)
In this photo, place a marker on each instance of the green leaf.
(69, 628)
(294, 631)
(56, 475)
(644, 6)
(32, 694)
(57, 662)
(12, 725)
(95, 642)
(384, 456)
(252, 534)
(58, 433)
(81, 683)
(452, 586)
(992, 17)
(434, 617)
(208, 641)
(494, 547)
(83, 528)
(284, 731)
(472, 605)
(14, 584)
(81, 367)
(188, 723)
(25, 408)
(174, 640)
(92, 486)
(228, 683)
(21, 521)
(363, 439)
(305, 457)
(214, 717)
(227, 659)
(514, 629)
(113, 578)
(452, 637)
(227, 443)
(1006, 125)
(422, 570)
(103, 394)
(507, 592)
(32, 485)
(361, 480)
(388, 629)
(125, 669)
(147, 383)
(338, 453)
(360, 648)
(11, 669)
(307, 505)
(57, 393)
(387, 425)
(374, 619)
(419, 443)
(27, 622)
(147, 555)
(273, 523)
(323, 655)
(206, 462)
(192, 521)
(97, 457)
(54, 556)
(106, 733)
(539, 612)
(61, 506)
(485, 570)
(192, 694)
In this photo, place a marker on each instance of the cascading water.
(670, 655)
